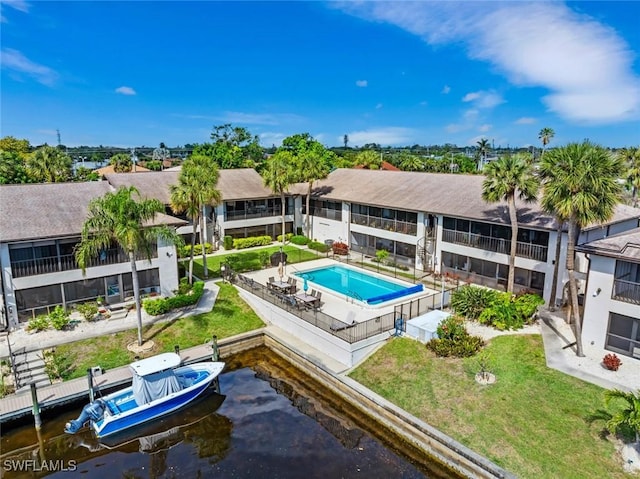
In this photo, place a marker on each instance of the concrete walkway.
(46, 339)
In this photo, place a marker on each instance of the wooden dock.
(20, 404)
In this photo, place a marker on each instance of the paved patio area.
(339, 306)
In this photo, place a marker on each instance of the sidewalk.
(46, 339)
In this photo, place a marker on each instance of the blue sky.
(401, 73)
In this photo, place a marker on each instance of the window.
(38, 297)
(623, 335)
(84, 290)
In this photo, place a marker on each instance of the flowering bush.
(340, 248)
(611, 362)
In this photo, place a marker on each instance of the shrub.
(88, 310)
(185, 251)
(228, 242)
(611, 362)
(287, 237)
(57, 366)
(471, 301)
(59, 318)
(340, 248)
(241, 243)
(300, 240)
(264, 258)
(162, 305)
(317, 246)
(39, 323)
(381, 255)
(454, 340)
(510, 312)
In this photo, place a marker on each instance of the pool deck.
(337, 305)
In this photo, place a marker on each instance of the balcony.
(56, 264)
(497, 245)
(396, 226)
(627, 291)
(330, 214)
(257, 212)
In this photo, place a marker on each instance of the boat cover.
(154, 386)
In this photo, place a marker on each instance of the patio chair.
(272, 279)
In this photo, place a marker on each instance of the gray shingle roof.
(236, 184)
(624, 246)
(51, 210)
(439, 193)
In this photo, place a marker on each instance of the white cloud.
(484, 128)
(17, 63)
(446, 89)
(585, 65)
(19, 5)
(483, 99)
(248, 118)
(362, 83)
(391, 135)
(378, 106)
(423, 103)
(269, 138)
(525, 120)
(125, 90)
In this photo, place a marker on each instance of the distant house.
(384, 166)
(109, 169)
(611, 318)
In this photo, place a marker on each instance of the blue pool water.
(358, 285)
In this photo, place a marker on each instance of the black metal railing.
(497, 245)
(359, 331)
(627, 291)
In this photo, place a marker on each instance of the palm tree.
(545, 136)
(483, 150)
(369, 159)
(409, 162)
(345, 140)
(504, 178)
(118, 218)
(196, 189)
(579, 185)
(49, 165)
(121, 163)
(626, 420)
(278, 174)
(312, 167)
(631, 158)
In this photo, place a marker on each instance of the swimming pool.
(358, 285)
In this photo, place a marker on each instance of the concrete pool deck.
(339, 306)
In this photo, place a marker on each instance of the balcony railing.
(396, 226)
(627, 291)
(497, 245)
(257, 212)
(55, 264)
(330, 214)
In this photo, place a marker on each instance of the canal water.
(269, 421)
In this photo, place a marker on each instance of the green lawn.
(252, 260)
(230, 316)
(532, 421)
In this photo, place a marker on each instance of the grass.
(252, 260)
(230, 316)
(532, 421)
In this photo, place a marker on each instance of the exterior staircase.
(29, 368)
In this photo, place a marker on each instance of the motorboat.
(160, 386)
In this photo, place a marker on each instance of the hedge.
(241, 243)
(185, 251)
(300, 240)
(162, 305)
(317, 246)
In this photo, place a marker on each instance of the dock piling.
(216, 351)
(36, 407)
(90, 381)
